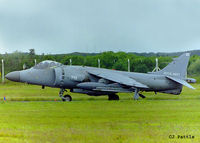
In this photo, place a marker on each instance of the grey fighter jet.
(99, 81)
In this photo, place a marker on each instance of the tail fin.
(178, 67)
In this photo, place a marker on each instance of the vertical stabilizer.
(178, 67)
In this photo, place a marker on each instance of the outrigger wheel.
(67, 98)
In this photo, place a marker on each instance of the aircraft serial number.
(171, 73)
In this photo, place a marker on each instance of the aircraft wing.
(118, 78)
(180, 81)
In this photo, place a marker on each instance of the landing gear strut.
(137, 94)
(113, 97)
(65, 97)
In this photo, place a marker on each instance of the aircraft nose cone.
(14, 76)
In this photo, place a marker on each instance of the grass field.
(94, 119)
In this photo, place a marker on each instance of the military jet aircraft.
(98, 81)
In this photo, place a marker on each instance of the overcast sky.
(65, 26)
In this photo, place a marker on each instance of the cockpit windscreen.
(47, 64)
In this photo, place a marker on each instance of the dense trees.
(110, 60)
(194, 66)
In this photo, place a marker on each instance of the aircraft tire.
(113, 97)
(67, 98)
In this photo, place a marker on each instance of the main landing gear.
(137, 94)
(113, 97)
(65, 97)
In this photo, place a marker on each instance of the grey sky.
(64, 26)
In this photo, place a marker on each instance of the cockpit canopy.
(47, 64)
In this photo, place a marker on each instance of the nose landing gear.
(65, 97)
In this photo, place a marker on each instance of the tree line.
(110, 60)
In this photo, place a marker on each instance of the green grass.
(94, 119)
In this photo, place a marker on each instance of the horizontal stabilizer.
(180, 81)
